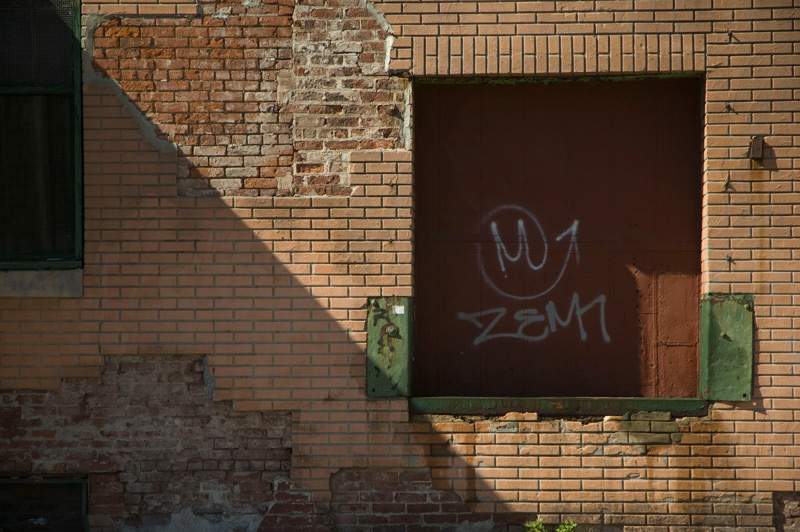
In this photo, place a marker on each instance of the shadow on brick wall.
(157, 451)
(259, 286)
(272, 290)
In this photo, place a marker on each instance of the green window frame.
(41, 212)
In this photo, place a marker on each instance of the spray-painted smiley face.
(525, 274)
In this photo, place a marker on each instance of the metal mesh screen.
(37, 207)
(36, 43)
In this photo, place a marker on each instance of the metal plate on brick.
(388, 345)
(558, 238)
(726, 347)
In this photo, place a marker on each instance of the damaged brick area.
(786, 511)
(259, 98)
(157, 451)
(406, 500)
(519, 462)
(210, 85)
(389, 499)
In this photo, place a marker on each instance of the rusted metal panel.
(388, 347)
(726, 347)
(558, 238)
(677, 343)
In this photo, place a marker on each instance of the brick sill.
(561, 406)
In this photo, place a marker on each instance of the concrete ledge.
(41, 283)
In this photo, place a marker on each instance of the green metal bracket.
(726, 347)
(389, 347)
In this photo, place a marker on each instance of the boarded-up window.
(39, 147)
(558, 238)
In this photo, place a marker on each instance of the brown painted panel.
(676, 300)
(557, 238)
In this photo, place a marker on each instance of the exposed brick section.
(151, 441)
(787, 512)
(341, 101)
(260, 98)
(294, 510)
(404, 500)
(210, 84)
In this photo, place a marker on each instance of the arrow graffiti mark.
(531, 324)
(524, 250)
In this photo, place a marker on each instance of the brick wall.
(157, 451)
(210, 85)
(369, 499)
(255, 96)
(274, 288)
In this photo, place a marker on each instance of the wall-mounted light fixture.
(756, 151)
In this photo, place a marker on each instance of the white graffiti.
(532, 326)
(502, 251)
(524, 250)
(551, 320)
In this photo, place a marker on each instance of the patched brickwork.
(389, 499)
(260, 98)
(404, 500)
(787, 512)
(274, 288)
(155, 447)
(343, 102)
(641, 456)
(210, 84)
(294, 510)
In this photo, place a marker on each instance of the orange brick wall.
(255, 97)
(273, 288)
(210, 85)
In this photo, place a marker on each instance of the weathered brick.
(251, 96)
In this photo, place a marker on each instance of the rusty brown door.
(557, 238)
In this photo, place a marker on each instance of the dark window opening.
(557, 238)
(40, 208)
(43, 504)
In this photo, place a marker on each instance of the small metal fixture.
(756, 147)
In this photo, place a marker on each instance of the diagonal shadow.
(274, 290)
(267, 288)
(236, 278)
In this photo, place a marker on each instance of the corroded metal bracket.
(389, 347)
(726, 347)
